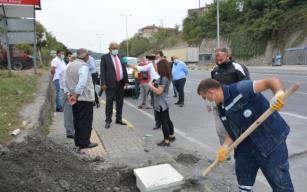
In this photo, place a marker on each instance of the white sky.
(76, 23)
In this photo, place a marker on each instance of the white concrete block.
(158, 178)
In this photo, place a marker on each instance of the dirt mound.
(45, 166)
(187, 159)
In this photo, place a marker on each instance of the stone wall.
(208, 46)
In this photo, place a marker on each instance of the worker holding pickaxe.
(240, 107)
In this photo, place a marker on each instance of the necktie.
(117, 69)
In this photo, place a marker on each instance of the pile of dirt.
(44, 166)
(187, 159)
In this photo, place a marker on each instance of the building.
(198, 11)
(295, 56)
(148, 31)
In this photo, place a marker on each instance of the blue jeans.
(58, 102)
(275, 168)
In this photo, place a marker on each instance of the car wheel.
(17, 66)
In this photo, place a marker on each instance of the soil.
(36, 166)
(187, 159)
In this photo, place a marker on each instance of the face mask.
(175, 60)
(156, 61)
(62, 56)
(114, 51)
(211, 103)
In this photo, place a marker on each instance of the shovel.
(246, 133)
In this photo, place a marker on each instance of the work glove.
(222, 154)
(277, 102)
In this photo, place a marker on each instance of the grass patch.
(15, 91)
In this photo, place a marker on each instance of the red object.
(37, 3)
(141, 75)
(117, 68)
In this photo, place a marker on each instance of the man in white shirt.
(151, 68)
(57, 66)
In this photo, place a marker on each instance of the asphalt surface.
(194, 126)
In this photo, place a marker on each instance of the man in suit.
(114, 78)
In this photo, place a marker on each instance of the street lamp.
(100, 35)
(218, 23)
(126, 16)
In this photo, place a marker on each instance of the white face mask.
(175, 60)
(114, 52)
(62, 56)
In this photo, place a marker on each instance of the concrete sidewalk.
(117, 146)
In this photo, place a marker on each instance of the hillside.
(249, 30)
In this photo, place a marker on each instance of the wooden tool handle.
(248, 131)
(210, 168)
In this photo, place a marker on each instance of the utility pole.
(100, 35)
(218, 23)
(126, 16)
(198, 3)
(161, 20)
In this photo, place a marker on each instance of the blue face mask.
(114, 51)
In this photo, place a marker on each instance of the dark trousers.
(275, 167)
(94, 79)
(167, 124)
(83, 119)
(115, 94)
(174, 89)
(157, 120)
(179, 84)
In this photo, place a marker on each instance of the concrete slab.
(158, 178)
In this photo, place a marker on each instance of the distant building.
(198, 11)
(148, 31)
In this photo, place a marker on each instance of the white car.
(131, 78)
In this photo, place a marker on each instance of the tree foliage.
(139, 45)
(250, 29)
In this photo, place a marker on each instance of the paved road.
(195, 127)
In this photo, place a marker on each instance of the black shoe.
(177, 103)
(107, 126)
(163, 144)
(70, 136)
(172, 139)
(59, 110)
(91, 145)
(120, 123)
(97, 105)
(174, 95)
(181, 105)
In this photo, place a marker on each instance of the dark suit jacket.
(107, 71)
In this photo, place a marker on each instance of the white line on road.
(181, 133)
(294, 115)
(299, 92)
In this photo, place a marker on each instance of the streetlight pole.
(100, 41)
(218, 23)
(126, 16)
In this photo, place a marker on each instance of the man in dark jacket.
(226, 72)
(113, 79)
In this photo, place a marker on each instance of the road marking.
(294, 115)
(181, 133)
(299, 92)
(129, 125)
